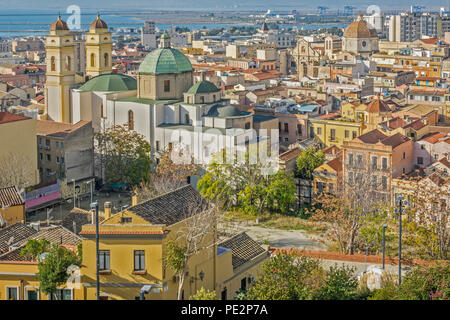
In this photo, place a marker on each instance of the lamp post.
(400, 202)
(384, 241)
(73, 181)
(94, 205)
(91, 182)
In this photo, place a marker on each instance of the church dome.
(359, 29)
(98, 24)
(203, 87)
(221, 111)
(59, 25)
(165, 60)
(110, 82)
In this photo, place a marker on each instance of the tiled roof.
(79, 216)
(433, 137)
(6, 117)
(376, 136)
(243, 249)
(336, 164)
(58, 129)
(290, 154)
(372, 136)
(377, 106)
(445, 162)
(56, 234)
(395, 140)
(13, 234)
(10, 196)
(416, 125)
(170, 207)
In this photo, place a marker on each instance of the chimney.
(107, 207)
(134, 200)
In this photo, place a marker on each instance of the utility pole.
(94, 205)
(384, 241)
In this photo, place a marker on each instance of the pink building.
(431, 148)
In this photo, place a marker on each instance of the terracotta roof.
(243, 249)
(372, 137)
(335, 164)
(170, 207)
(58, 129)
(416, 125)
(290, 154)
(6, 117)
(59, 25)
(98, 24)
(333, 149)
(377, 106)
(433, 137)
(10, 196)
(56, 234)
(445, 162)
(396, 122)
(429, 40)
(427, 78)
(359, 29)
(13, 234)
(395, 140)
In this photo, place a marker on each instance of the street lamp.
(94, 205)
(400, 202)
(384, 241)
(91, 182)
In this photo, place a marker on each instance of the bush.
(340, 284)
(203, 294)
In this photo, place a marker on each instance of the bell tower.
(60, 74)
(98, 49)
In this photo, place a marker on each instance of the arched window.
(92, 60)
(130, 120)
(105, 56)
(68, 63)
(52, 63)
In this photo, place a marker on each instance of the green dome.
(165, 36)
(203, 87)
(167, 60)
(110, 82)
(221, 111)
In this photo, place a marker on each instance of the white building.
(148, 35)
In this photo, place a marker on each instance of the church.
(163, 104)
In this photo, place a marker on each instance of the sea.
(17, 24)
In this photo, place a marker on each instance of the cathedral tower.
(60, 74)
(98, 49)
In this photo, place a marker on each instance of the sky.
(261, 5)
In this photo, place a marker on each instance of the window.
(92, 60)
(157, 145)
(12, 293)
(384, 163)
(186, 118)
(333, 134)
(52, 64)
(350, 159)
(384, 182)
(40, 156)
(32, 294)
(404, 155)
(286, 127)
(347, 134)
(105, 59)
(360, 160)
(101, 110)
(374, 181)
(202, 99)
(125, 220)
(104, 259)
(62, 160)
(319, 130)
(139, 260)
(62, 294)
(244, 284)
(223, 295)
(68, 63)
(62, 145)
(130, 120)
(354, 134)
(167, 86)
(374, 163)
(57, 159)
(48, 157)
(247, 125)
(350, 177)
(419, 160)
(299, 129)
(170, 145)
(403, 170)
(319, 187)
(57, 144)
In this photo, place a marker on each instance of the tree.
(16, 170)
(203, 294)
(340, 284)
(253, 187)
(309, 160)
(351, 208)
(168, 175)
(288, 276)
(123, 155)
(429, 217)
(196, 233)
(53, 266)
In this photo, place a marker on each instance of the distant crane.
(417, 9)
(322, 9)
(348, 10)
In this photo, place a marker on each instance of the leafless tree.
(16, 170)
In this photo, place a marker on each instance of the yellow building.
(327, 177)
(133, 243)
(98, 49)
(12, 207)
(18, 273)
(60, 73)
(18, 152)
